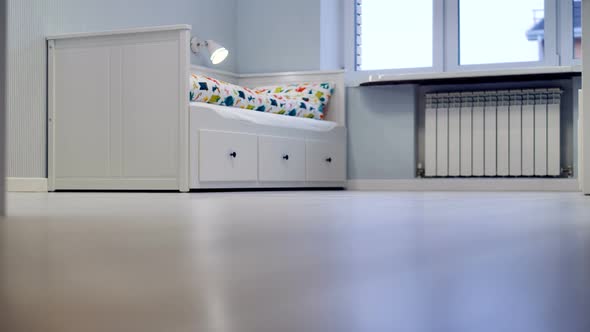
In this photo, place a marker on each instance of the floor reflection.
(257, 262)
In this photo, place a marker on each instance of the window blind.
(358, 33)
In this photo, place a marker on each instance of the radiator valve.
(567, 171)
(420, 172)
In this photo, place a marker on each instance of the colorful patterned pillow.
(209, 90)
(318, 93)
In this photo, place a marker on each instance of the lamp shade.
(218, 52)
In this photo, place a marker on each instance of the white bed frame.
(119, 119)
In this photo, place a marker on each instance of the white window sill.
(416, 78)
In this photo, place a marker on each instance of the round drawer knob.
(233, 154)
(329, 160)
(286, 157)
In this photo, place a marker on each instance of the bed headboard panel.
(337, 107)
(111, 95)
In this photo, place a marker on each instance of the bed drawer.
(281, 159)
(326, 161)
(225, 156)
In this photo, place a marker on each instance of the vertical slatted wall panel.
(581, 138)
(25, 96)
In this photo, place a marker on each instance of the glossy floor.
(296, 261)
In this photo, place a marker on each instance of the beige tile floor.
(295, 261)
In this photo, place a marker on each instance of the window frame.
(566, 17)
(558, 49)
(361, 75)
(550, 56)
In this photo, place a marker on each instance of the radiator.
(493, 133)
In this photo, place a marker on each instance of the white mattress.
(266, 119)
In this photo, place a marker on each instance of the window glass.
(577, 22)
(394, 34)
(501, 31)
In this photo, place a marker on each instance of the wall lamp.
(218, 53)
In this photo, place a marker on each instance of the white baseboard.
(559, 185)
(26, 184)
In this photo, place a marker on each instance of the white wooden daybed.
(119, 118)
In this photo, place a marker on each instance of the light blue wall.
(210, 19)
(331, 29)
(279, 36)
(275, 36)
(381, 132)
(30, 21)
